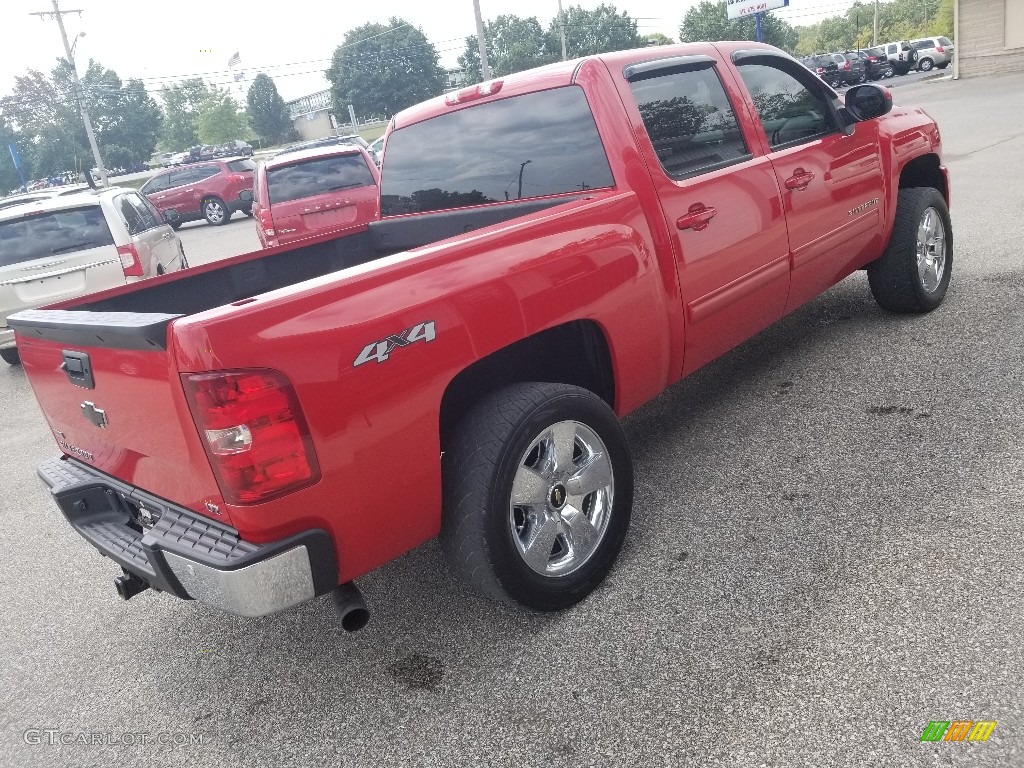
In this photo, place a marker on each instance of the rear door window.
(690, 121)
(548, 145)
(317, 177)
(42, 235)
(156, 184)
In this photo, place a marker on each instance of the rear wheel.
(10, 355)
(889, 72)
(215, 211)
(913, 274)
(538, 490)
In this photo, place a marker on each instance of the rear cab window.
(317, 176)
(43, 235)
(549, 146)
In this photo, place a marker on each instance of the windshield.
(39, 235)
(317, 177)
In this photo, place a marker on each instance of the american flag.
(236, 59)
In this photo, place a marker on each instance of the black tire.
(10, 356)
(895, 279)
(943, 65)
(247, 211)
(890, 71)
(497, 439)
(215, 211)
(925, 65)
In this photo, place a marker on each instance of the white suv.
(933, 52)
(70, 245)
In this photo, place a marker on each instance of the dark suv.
(825, 67)
(209, 190)
(876, 65)
(851, 68)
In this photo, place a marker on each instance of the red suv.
(314, 191)
(209, 190)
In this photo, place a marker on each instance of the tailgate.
(111, 394)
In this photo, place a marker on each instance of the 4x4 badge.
(381, 350)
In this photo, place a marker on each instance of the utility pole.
(561, 27)
(485, 71)
(58, 14)
(874, 32)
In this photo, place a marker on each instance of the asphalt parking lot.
(825, 556)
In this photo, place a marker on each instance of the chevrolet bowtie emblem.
(96, 415)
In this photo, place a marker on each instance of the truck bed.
(244, 278)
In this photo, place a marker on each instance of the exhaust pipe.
(351, 607)
(128, 585)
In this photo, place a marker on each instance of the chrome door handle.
(799, 180)
(697, 219)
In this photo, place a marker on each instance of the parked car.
(236, 148)
(313, 192)
(328, 141)
(824, 66)
(72, 244)
(296, 417)
(902, 55)
(876, 65)
(209, 190)
(933, 52)
(851, 68)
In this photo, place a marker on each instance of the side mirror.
(171, 217)
(245, 195)
(868, 101)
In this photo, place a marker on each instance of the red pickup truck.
(556, 248)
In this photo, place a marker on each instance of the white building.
(989, 37)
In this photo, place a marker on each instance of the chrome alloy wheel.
(562, 497)
(214, 211)
(931, 250)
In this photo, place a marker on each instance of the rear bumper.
(177, 551)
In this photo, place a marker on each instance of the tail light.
(266, 222)
(254, 433)
(939, 49)
(130, 261)
(872, 58)
(821, 70)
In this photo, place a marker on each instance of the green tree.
(708, 22)
(601, 30)
(182, 103)
(381, 69)
(514, 44)
(268, 114)
(220, 120)
(656, 38)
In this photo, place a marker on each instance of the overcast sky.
(292, 42)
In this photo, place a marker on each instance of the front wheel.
(925, 65)
(889, 72)
(10, 355)
(538, 491)
(215, 211)
(913, 274)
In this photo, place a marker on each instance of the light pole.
(561, 26)
(58, 14)
(522, 167)
(485, 71)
